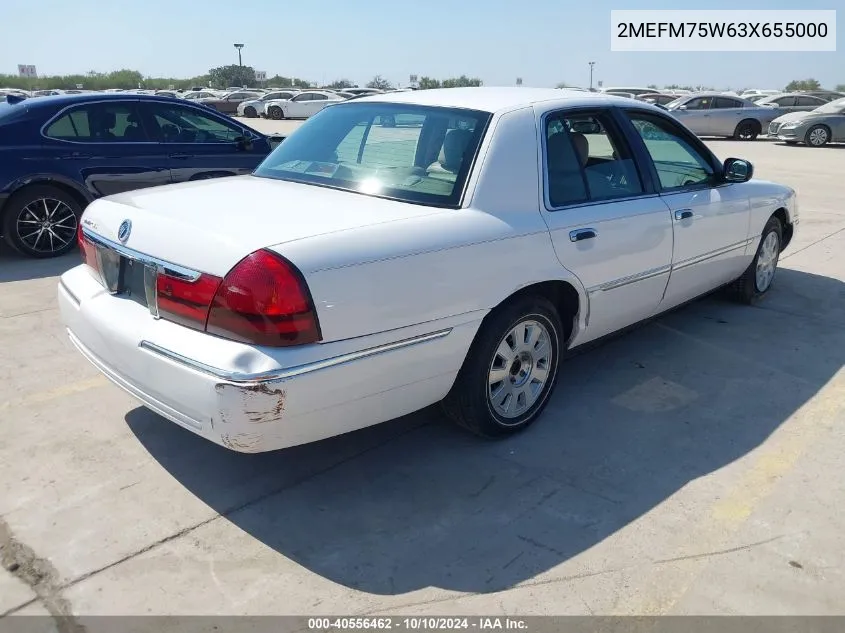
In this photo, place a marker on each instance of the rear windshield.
(412, 153)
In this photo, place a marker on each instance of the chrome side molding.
(288, 372)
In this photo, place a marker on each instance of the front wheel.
(817, 136)
(758, 277)
(276, 113)
(41, 221)
(250, 112)
(510, 370)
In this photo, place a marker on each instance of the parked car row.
(716, 114)
(298, 104)
(59, 153)
(754, 114)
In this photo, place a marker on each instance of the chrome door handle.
(683, 214)
(582, 234)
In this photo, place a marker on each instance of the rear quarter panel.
(456, 262)
(23, 160)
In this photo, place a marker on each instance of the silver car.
(792, 102)
(825, 124)
(716, 114)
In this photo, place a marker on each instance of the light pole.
(239, 47)
(591, 74)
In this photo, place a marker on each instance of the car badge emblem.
(124, 231)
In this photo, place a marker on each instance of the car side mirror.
(682, 107)
(243, 143)
(738, 170)
(275, 140)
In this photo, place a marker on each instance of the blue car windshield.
(406, 152)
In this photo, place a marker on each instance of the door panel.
(605, 228)
(837, 126)
(198, 144)
(315, 106)
(725, 115)
(696, 116)
(710, 231)
(107, 145)
(294, 108)
(624, 266)
(710, 218)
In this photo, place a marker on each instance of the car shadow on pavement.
(15, 267)
(419, 503)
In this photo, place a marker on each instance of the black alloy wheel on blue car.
(42, 221)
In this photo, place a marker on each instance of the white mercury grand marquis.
(411, 248)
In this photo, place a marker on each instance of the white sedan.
(367, 271)
(301, 106)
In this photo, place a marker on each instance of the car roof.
(70, 99)
(489, 99)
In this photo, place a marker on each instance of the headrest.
(561, 154)
(454, 147)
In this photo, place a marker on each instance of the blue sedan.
(59, 153)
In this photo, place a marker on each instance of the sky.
(542, 41)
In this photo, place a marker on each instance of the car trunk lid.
(210, 225)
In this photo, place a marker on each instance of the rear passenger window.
(724, 103)
(586, 160)
(99, 123)
(72, 126)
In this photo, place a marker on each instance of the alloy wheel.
(520, 369)
(767, 261)
(46, 225)
(817, 136)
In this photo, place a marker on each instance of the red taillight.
(264, 300)
(186, 302)
(86, 249)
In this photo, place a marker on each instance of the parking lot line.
(67, 389)
(730, 512)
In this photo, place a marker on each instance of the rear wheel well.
(787, 228)
(562, 295)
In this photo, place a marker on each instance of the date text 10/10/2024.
(417, 624)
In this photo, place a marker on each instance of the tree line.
(220, 77)
(234, 75)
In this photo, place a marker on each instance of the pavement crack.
(818, 241)
(719, 552)
(40, 575)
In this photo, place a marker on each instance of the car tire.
(33, 208)
(757, 279)
(747, 130)
(817, 136)
(250, 112)
(275, 113)
(489, 407)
